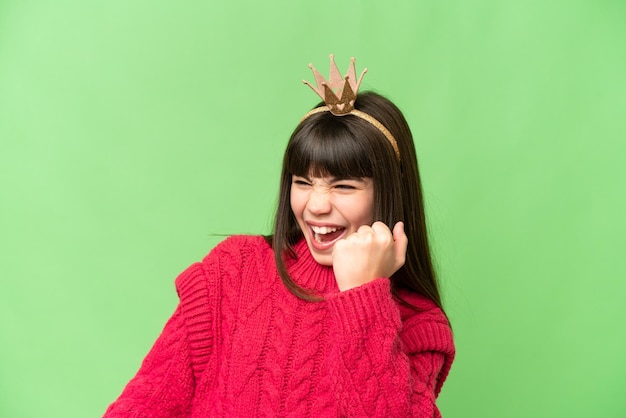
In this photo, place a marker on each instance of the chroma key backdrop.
(135, 135)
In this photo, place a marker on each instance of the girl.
(337, 313)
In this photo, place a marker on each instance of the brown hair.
(345, 147)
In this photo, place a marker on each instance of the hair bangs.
(332, 149)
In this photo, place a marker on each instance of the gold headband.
(342, 102)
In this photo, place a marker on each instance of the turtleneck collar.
(308, 273)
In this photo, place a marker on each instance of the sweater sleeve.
(382, 366)
(163, 386)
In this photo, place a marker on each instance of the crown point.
(337, 92)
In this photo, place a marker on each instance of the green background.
(133, 134)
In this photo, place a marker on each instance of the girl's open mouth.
(325, 236)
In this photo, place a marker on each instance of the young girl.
(337, 313)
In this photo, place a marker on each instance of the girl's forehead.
(321, 171)
(333, 166)
(327, 178)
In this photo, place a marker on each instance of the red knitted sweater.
(240, 344)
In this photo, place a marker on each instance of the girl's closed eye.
(300, 181)
(348, 184)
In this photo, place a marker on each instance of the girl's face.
(329, 209)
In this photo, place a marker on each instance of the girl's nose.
(318, 202)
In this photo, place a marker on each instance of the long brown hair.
(347, 147)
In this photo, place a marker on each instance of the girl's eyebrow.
(336, 179)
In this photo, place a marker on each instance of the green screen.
(134, 135)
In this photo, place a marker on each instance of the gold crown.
(338, 93)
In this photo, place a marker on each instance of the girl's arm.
(164, 385)
(381, 366)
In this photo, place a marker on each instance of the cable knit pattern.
(240, 344)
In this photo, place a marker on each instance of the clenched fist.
(370, 253)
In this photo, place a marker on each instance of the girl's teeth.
(323, 229)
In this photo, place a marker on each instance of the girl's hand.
(370, 253)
